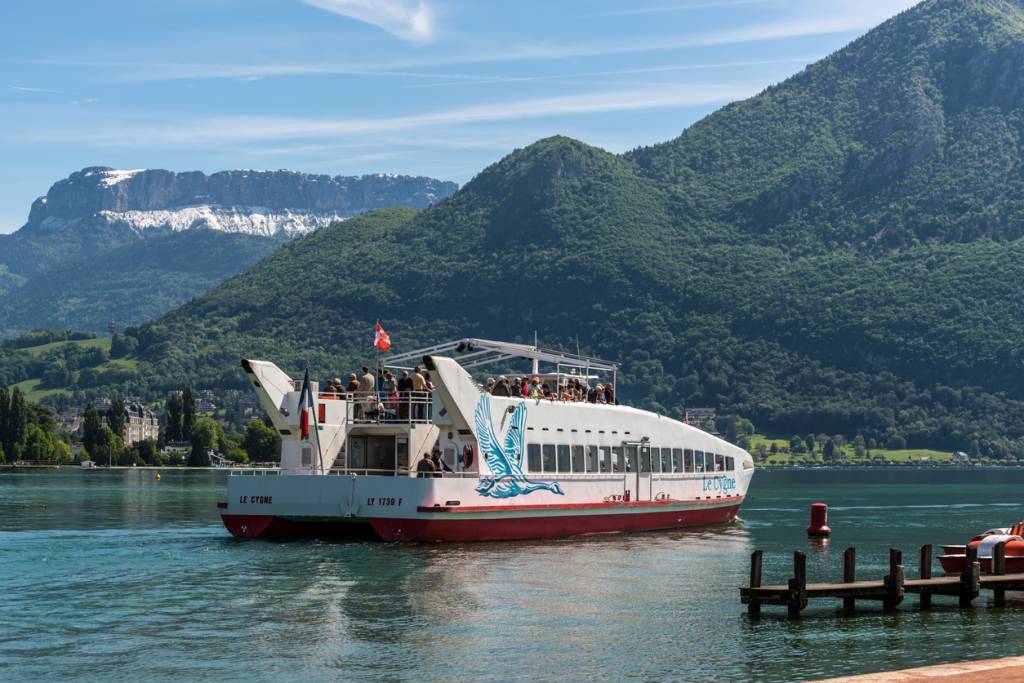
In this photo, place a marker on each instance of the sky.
(441, 88)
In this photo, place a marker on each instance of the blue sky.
(431, 87)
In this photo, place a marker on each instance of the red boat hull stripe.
(577, 506)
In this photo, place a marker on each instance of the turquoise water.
(112, 576)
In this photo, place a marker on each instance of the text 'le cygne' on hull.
(428, 453)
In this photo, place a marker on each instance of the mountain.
(838, 254)
(129, 245)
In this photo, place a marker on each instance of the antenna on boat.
(536, 362)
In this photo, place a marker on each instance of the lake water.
(113, 576)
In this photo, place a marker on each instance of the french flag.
(305, 406)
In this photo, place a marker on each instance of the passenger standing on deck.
(404, 392)
(419, 388)
(425, 467)
(609, 394)
(489, 387)
(592, 396)
(365, 396)
(440, 466)
(501, 388)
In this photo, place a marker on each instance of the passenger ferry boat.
(521, 467)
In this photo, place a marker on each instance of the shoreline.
(1005, 668)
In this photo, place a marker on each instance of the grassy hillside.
(840, 254)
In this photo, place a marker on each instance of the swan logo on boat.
(505, 460)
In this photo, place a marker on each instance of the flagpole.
(316, 425)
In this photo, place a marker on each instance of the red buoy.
(819, 520)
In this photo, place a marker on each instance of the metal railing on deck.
(380, 407)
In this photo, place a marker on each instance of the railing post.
(894, 580)
(998, 569)
(753, 605)
(797, 598)
(849, 575)
(925, 572)
(970, 578)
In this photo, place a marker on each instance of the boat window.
(619, 461)
(577, 459)
(631, 459)
(709, 462)
(564, 463)
(533, 456)
(649, 459)
(677, 459)
(307, 455)
(606, 459)
(730, 463)
(688, 460)
(666, 459)
(549, 457)
(592, 459)
(719, 462)
(698, 461)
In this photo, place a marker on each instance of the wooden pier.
(890, 590)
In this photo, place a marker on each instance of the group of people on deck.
(572, 390)
(375, 394)
(432, 465)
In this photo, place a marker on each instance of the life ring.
(467, 457)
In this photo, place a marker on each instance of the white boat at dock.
(520, 467)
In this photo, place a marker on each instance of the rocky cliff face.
(210, 201)
(99, 208)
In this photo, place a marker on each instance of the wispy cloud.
(843, 16)
(22, 88)
(411, 20)
(234, 129)
(578, 76)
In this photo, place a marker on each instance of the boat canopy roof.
(470, 353)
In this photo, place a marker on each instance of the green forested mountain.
(131, 283)
(839, 254)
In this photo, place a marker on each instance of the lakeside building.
(140, 424)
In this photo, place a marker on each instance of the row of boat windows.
(596, 459)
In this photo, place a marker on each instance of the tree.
(810, 442)
(261, 443)
(829, 451)
(91, 427)
(206, 435)
(147, 451)
(188, 413)
(37, 444)
(115, 416)
(5, 418)
(109, 446)
(17, 424)
(173, 426)
(61, 451)
(796, 445)
(774, 449)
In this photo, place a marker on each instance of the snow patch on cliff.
(249, 220)
(113, 176)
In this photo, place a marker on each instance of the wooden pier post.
(894, 580)
(849, 575)
(754, 605)
(797, 598)
(970, 579)
(999, 568)
(925, 572)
